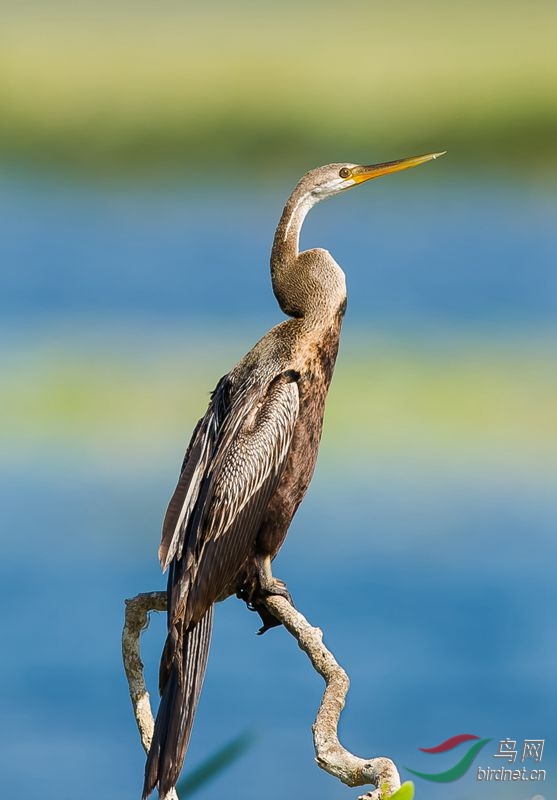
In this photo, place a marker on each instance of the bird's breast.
(315, 365)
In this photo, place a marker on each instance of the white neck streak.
(287, 237)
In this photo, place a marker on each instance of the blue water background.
(434, 583)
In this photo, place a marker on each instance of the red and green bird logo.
(459, 768)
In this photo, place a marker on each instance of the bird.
(249, 464)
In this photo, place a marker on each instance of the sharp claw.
(267, 619)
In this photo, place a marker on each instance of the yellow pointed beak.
(361, 174)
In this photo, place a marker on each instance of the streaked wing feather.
(185, 496)
(223, 557)
(194, 469)
(237, 486)
(249, 454)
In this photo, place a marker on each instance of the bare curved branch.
(136, 620)
(331, 756)
(329, 753)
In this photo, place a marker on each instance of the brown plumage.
(249, 464)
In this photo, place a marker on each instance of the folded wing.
(230, 472)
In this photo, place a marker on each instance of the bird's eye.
(344, 172)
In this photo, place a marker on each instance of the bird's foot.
(267, 619)
(275, 588)
(265, 586)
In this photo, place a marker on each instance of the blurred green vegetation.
(109, 87)
(496, 403)
(214, 764)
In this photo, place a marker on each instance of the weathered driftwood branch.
(330, 754)
(136, 620)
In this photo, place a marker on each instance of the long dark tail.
(177, 707)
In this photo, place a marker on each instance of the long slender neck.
(309, 284)
(287, 236)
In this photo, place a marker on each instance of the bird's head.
(326, 181)
(312, 281)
